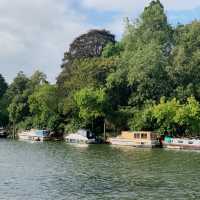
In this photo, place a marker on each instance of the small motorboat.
(82, 136)
(35, 135)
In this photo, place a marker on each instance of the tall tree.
(44, 107)
(185, 63)
(3, 102)
(3, 86)
(147, 47)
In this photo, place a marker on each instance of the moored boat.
(82, 136)
(24, 135)
(142, 139)
(181, 143)
(34, 135)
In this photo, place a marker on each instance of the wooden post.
(92, 125)
(13, 129)
(104, 130)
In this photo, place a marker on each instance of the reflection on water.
(62, 171)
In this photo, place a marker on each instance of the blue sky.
(35, 34)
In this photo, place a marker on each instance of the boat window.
(142, 143)
(144, 136)
(190, 142)
(180, 141)
(136, 135)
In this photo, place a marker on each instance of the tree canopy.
(149, 80)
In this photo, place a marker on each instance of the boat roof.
(76, 136)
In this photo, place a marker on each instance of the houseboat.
(82, 136)
(34, 135)
(3, 133)
(181, 143)
(136, 139)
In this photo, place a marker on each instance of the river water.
(48, 171)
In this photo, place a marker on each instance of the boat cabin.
(139, 135)
(81, 136)
(41, 133)
(136, 138)
(86, 133)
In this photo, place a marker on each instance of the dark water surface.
(48, 171)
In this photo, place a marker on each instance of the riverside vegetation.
(149, 80)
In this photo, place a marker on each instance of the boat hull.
(32, 137)
(125, 142)
(181, 146)
(74, 141)
(3, 135)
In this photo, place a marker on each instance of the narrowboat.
(142, 139)
(82, 136)
(181, 143)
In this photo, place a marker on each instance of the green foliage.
(188, 116)
(89, 72)
(91, 103)
(184, 62)
(165, 113)
(43, 105)
(4, 118)
(3, 86)
(112, 50)
(3, 102)
(143, 119)
(17, 98)
(168, 115)
(150, 81)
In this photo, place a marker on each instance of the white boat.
(136, 139)
(81, 137)
(34, 135)
(181, 143)
(25, 135)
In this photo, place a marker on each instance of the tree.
(43, 105)
(3, 102)
(185, 63)
(3, 86)
(18, 86)
(15, 109)
(165, 113)
(37, 79)
(147, 46)
(188, 117)
(4, 118)
(92, 104)
(89, 45)
(17, 97)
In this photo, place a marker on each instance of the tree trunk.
(104, 130)
(13, 130)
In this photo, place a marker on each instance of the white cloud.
(137, 5)
(35, 34)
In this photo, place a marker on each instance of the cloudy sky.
(35, 34)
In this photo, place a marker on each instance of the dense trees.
(43, 104)
(147, 81)
(3, 102)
